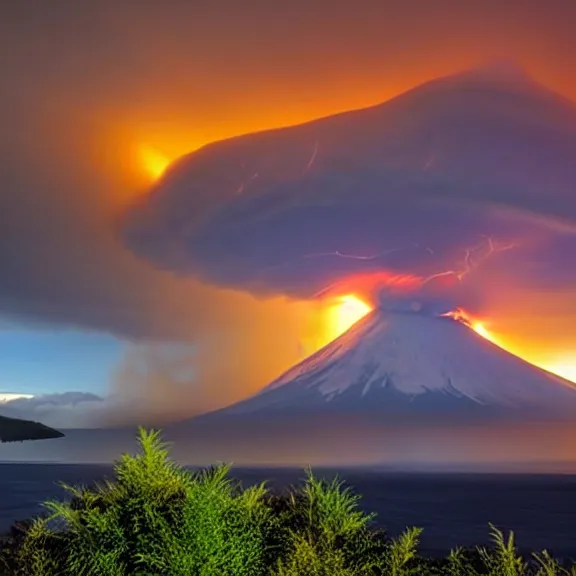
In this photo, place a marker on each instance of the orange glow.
(372, 281)
(479, 328)
(347, 310)
(331, 318)
(153, 162)
(565, 369)
(151, 152)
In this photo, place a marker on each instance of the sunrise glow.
(348, 310)
(479, 328)
(153, 162)
(563, 369)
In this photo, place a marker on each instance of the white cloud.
(66, 410)
(11, 396)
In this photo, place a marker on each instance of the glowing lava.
(345, 313)
(481, 329)
(349, 309)
(153, 161)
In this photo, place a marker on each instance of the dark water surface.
(453, 509)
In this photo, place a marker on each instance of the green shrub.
(159, 519)
(325, 533)
(39, 552)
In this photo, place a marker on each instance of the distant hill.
(16, 430)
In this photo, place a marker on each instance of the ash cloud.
(466, 173)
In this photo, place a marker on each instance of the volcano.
(407, 385)
(409, 360)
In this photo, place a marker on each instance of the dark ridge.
(17, 430)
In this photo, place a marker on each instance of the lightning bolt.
(312, 157)
(473, 257)
(242, 187)
(470, 262)
(324, 290)
(489, 247)
(339, 254)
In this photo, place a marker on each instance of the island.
(17, 430)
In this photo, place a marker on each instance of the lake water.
(453, 509)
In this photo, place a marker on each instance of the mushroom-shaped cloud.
(429, 184)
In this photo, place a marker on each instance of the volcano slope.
(399, 384)
(394, 365)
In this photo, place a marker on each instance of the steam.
(240, 344)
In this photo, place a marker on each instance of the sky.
(47, 361)
(97, 90)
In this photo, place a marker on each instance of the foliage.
(157, 518)
(325, 533)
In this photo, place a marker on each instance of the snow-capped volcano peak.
(388, 361)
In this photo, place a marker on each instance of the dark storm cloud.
(470, 170)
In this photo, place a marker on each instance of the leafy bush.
(325, 533)
(160, 519)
